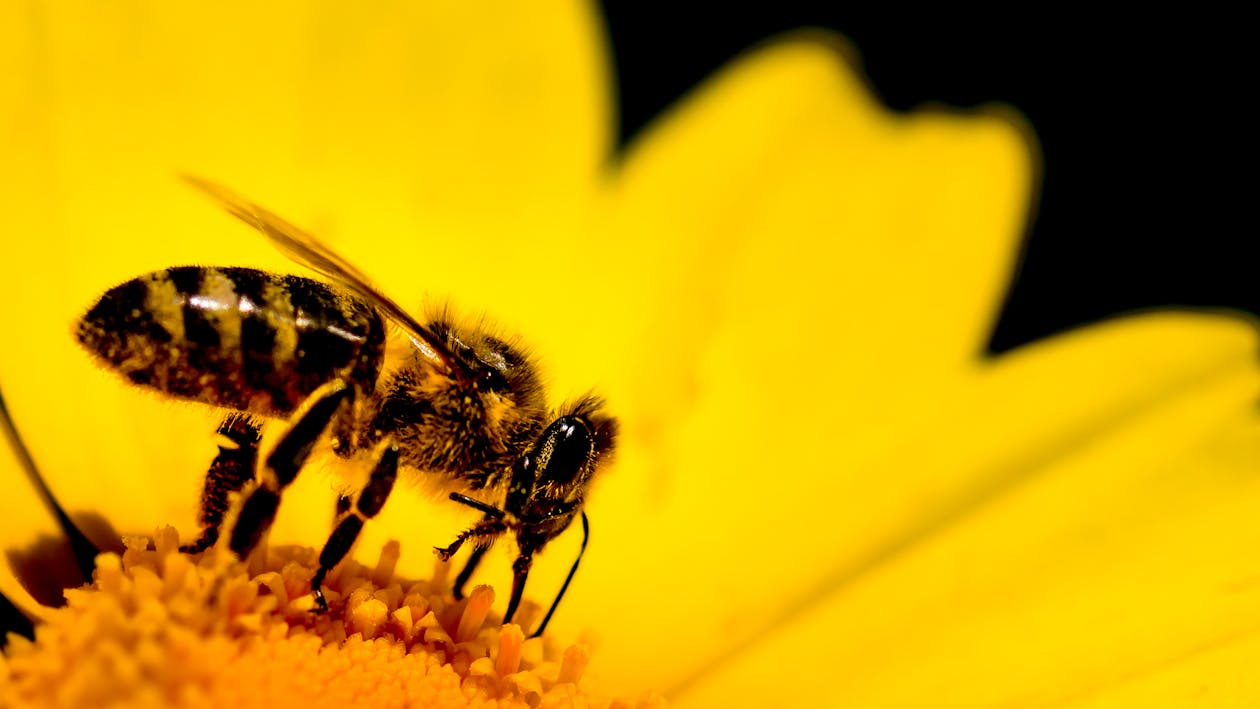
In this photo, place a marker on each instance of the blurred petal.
(1222, 673)
(480, 115)
(781, 198)
(794, 242)
(1129, 552)
(754, 535)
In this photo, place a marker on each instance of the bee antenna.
(494, 512)
(586, 536)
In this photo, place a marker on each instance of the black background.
(1140, 120)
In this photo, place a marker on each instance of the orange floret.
(161, 628)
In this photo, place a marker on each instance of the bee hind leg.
(364, 506)
(283, 464)
(231, 469)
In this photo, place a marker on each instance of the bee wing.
(305, 249)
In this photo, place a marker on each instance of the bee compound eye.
(569, 428)
(563, 450)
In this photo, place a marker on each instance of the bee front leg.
(365, 506)
(230, 470)
(283, 464)
(488, 527)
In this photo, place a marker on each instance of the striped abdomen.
(237, 338)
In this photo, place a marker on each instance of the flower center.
(164, 628)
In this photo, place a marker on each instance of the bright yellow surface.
(823, 491)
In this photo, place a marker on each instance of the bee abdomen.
(236, 338)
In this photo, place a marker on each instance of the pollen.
(165, 629)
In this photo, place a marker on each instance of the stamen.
(510, 639)
(161, 627)
(573, 665)
(385, 564)
(479, 602)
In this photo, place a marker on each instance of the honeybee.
(461, 407)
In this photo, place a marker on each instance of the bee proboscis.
(462, 407)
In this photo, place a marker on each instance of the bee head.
(549, 481)
(545, 494)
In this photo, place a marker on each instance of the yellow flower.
(825, 492)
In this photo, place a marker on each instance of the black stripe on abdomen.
(328, 336)
(263, 307)
(202, 341)
(237, 338)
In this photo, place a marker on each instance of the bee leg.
(586, 535)
(342, 507)
(488, 527)
(283, 464)
(520, 571)
(367, 504)
(231, 469)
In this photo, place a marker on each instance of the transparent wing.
(308, 251)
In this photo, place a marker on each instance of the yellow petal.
(836, 235)
(1222, 673)
(474, 113)
(770, 514)
(1129, 552)
(787, 316)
